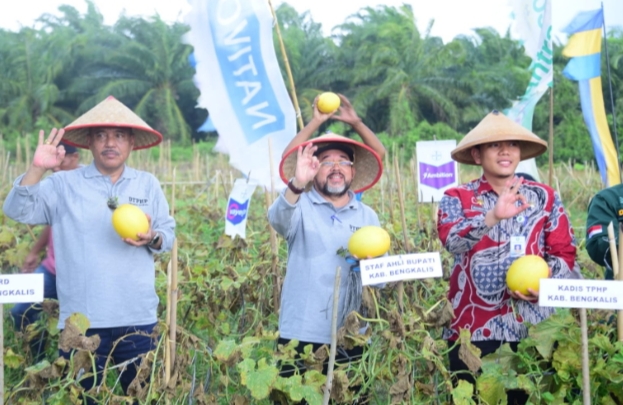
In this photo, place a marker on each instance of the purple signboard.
(236, 212)
(437, 177)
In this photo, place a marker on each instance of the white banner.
(597, 294)
(533, 24)
(241, 83)
(387, 269)
(437, 172)
(16, 288)
(238, 208)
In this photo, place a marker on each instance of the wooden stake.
(333, 348)
(274, 243)
(405, 236)
(586, 379)
(171, 296)
(286, 62)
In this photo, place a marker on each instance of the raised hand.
(47, 155)
(507, 207)
(318, 115)
(347, 112)
(30, 263)
(307, 165)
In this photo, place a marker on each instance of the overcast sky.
(452, 17)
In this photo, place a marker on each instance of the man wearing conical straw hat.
(109, 280)
(490, 222)
(316, 214)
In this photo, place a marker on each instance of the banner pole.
(286, 62)
(614, 113)
(551, 136)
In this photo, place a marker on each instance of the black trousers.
(342, 356)
(515, 397)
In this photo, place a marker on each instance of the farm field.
(227, 320)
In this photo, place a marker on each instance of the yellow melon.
(369, 241)
(129, 220)
(526, 272)
(328, 102)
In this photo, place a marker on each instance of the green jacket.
(605, 207)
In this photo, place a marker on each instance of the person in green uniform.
(605, 207)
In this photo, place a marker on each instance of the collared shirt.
(109, 281)
(482, 256)
(315, 230)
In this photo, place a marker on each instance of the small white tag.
(518, 246)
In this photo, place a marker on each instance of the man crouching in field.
(109, 280)
(487, 224)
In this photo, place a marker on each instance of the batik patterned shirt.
(482, 256)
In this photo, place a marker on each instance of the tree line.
(408, 85)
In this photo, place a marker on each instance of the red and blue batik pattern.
(482, 257)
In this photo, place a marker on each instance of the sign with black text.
(15, 288)
(388, 269)
(591, 294)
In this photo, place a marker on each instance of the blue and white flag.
(533, 24)
(241, 83)
(238, 208)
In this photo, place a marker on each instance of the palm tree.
(395, 71)
(145, 64)
(30, 62)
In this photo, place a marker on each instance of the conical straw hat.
(111, 113)
(367, 164)
(497, 127)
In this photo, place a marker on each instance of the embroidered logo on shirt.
(138, 201)
(594, 230)
(353, 228)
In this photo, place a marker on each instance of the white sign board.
(437, 172)
(388, 269)
(597, 294)
(16, 288)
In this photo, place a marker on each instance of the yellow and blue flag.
(584, 49)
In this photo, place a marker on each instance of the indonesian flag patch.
(594, 230)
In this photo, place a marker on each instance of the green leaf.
(259, 381)
(225, 350)
(13, 360)
(546, 333)
(315, 379)
(37, 367)
(226, 283)
(567, 360)
(80, 321)
(462, 393)
(292, 386)
(491, 386)
(6, 237)
(505, 357)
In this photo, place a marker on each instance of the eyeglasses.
(118, 137)
(342, 163)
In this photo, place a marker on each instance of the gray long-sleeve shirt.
(109, 281)
(314, 230)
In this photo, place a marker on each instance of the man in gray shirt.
(316, 215)
(108, 279)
